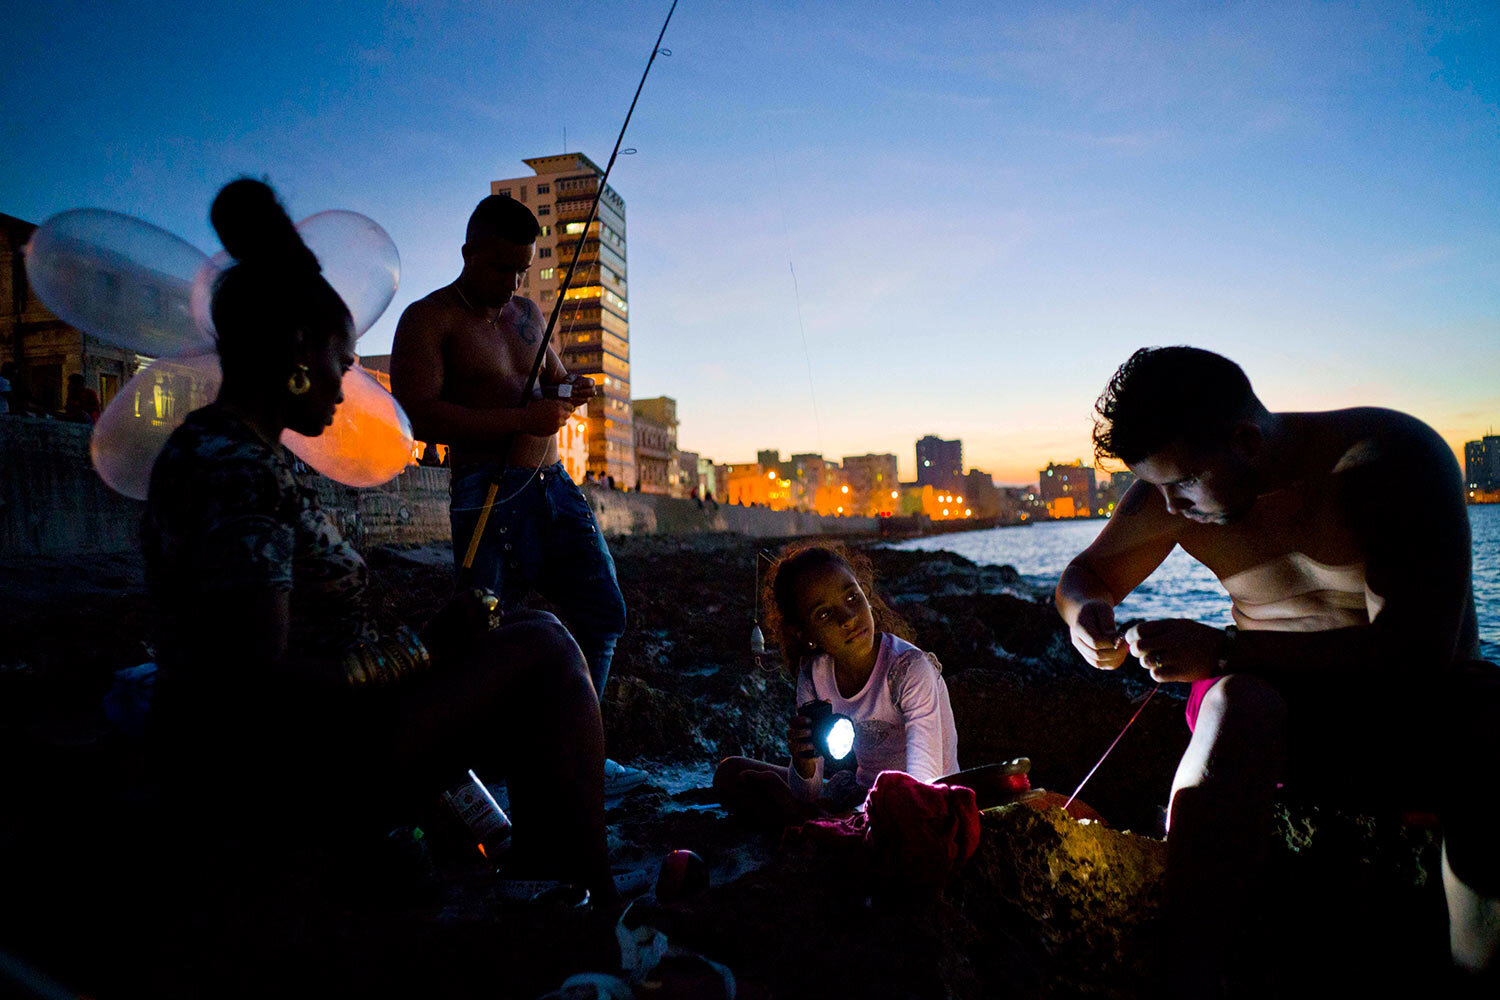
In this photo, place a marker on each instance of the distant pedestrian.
(82, 405)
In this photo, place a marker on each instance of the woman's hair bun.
(254, 227)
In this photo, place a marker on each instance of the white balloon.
(135, 426)
(359, 260)
(119, 279)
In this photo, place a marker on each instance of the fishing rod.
(562, 291)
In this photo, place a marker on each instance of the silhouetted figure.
(460, 359)
(82, 404)
(1352, 610)
(272, 670)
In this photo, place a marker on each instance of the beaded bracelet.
(387, 660)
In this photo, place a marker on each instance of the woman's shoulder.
(217, 455)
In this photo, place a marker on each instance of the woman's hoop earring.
(298, 382)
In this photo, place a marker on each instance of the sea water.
(1182, 587)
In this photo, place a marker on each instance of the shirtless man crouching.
(1343, 542)
(460, 359)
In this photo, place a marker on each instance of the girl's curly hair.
(779, 593)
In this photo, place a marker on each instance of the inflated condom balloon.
(136, 286)
(359, 260)
(369, 441)
(119, 279)
(136, 424)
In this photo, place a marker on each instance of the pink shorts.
(1196, 695)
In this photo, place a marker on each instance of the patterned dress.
(226, 517)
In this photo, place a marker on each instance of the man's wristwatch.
(1226, 648)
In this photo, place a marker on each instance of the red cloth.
(1196, 694)
(912, 835)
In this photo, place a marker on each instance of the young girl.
(822, 611)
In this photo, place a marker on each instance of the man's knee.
(541, 650)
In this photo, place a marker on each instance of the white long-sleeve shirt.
(903, 720)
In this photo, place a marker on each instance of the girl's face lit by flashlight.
(834, 613)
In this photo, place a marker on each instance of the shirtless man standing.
(459, 362)
(1343, 542)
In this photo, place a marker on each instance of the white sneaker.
(619, 779)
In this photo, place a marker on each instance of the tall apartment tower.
(1482, 463)
(940, 463)
(593, 330)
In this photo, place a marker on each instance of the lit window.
(547, 273)
(546, 230)
(573, 227)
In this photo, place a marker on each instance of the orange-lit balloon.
(369, 441)
(135, 426)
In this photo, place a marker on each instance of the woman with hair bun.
(277, 703)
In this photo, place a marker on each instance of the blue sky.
(987, 210)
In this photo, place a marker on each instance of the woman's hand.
(800, 742)
(1176, 649)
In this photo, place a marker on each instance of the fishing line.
(562, 291)
(786, 237)
(1112, 746)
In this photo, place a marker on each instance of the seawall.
(52, 503)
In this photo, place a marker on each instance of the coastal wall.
(51, 500)
(52, 503)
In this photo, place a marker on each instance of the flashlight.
(832, 736)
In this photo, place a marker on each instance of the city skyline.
(985, 210)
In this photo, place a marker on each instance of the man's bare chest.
(1296, 556)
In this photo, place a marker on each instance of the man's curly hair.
(1168, 395)
(779, 596)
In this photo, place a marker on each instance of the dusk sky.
(987, 210)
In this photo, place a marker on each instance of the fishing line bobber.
(757, 641)
(832, 736)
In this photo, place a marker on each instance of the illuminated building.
(710, 481)
(44, 349)
(1107, 495)
(1482, 466)
(751, 484)
(1068, 490)
(818, 484)
(871, 479)
(983, 497)
(655, 428)
(593, 331)
(940, 463)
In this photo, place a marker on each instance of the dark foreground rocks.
(1047, 908)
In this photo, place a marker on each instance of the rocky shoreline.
(1048, 907)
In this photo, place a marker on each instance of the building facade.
(1482, 465)
(940, 463)
(656, 459)
(1068, 490)
(874, 489)
(592, 335)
